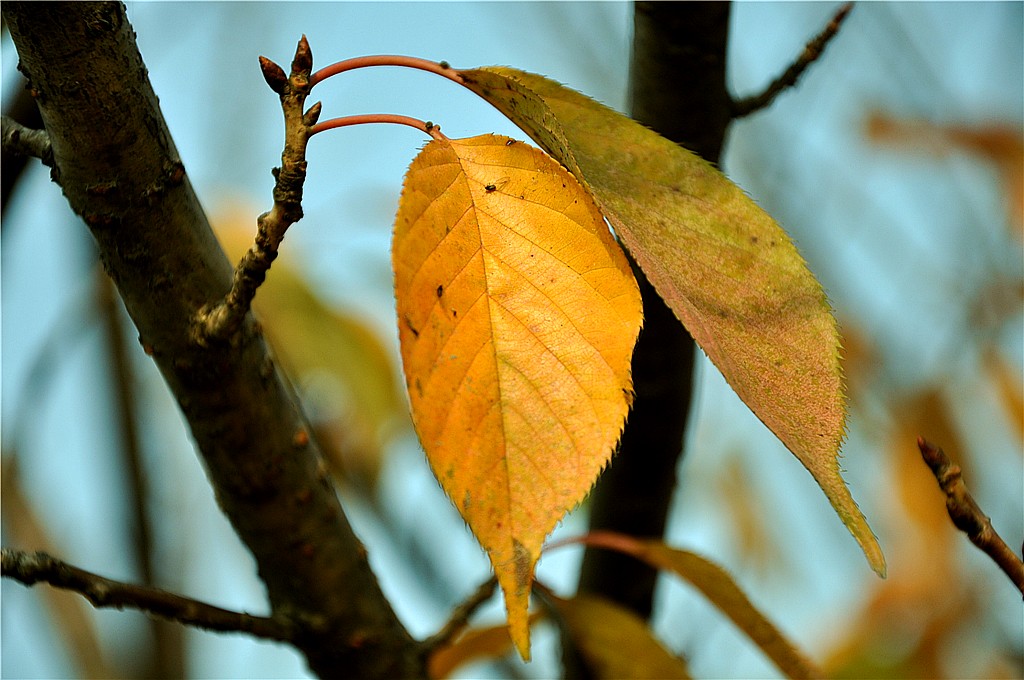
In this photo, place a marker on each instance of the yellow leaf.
(517, 316)
(614, 642)
(726, 269)
(719, 588)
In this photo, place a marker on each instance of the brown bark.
(117, 165)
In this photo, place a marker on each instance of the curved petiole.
(427, 127)
(440, 68)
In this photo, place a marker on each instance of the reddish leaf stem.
(427, 127)
(440, 68)
(611, 540)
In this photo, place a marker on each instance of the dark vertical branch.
(677, 87)
(167, 656)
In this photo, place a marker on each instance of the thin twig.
(18, 139)
(967, 515)
(813, 50)
(32, 568)
(459, 618)
(225, 318)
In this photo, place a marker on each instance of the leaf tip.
(876, 559)
(517, 598)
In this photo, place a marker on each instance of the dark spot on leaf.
(440, 290)
(455, 314)
(753, 239)
(490, 187)
(522, 566)
(408, 324)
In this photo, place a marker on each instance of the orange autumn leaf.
(724, 267)
(517, 316)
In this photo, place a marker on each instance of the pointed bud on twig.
(303, 61)
(274, 75)
(309, 118)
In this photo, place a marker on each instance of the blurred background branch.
(968, 516)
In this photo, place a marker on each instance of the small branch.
(32, 568)
(23, 141)
(813, 50)
(967, 515)
(459, 618)
(225, 318)
(441, 68)
(427, 127)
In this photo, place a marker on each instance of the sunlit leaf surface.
(517, 316)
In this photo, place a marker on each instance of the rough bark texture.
(677, 87)
(119, 170)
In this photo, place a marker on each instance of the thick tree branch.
(39, 567)
(118, 167)
(967, 515)
(813, 50)
(677, 87)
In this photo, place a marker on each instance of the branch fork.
(222, 321)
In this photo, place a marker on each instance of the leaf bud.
(309, 118)
(303, 61)
(274, 75)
